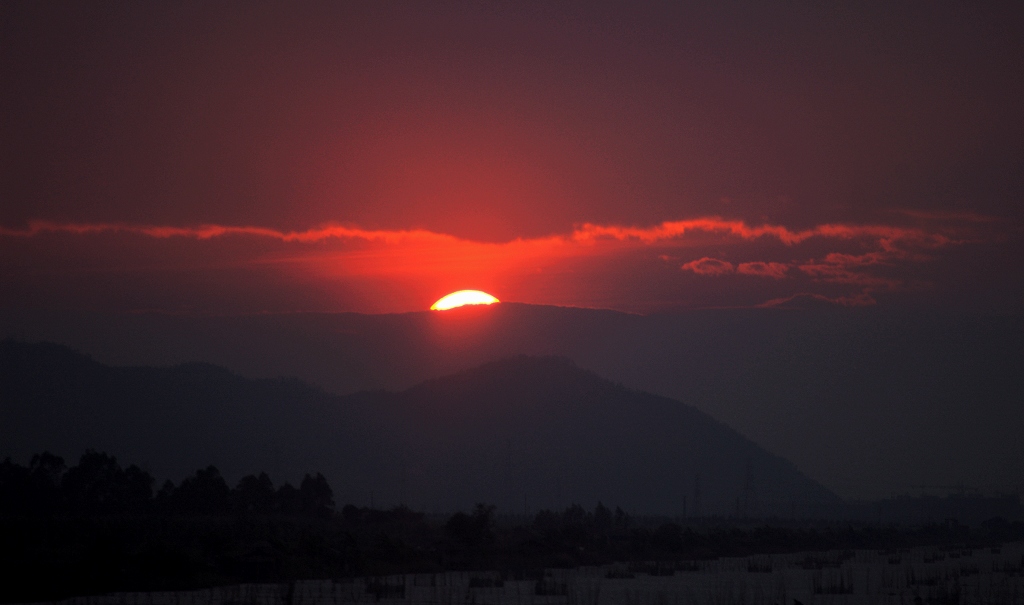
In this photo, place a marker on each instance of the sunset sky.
(374, 156)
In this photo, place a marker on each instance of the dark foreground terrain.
(97, 527)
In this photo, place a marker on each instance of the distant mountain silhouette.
(523, 433)
(867, 401)
(171, 420)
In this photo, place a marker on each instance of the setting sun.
(463, 297)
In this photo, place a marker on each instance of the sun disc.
(461, 298)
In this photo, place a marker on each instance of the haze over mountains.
(866, 402)
(523, 433)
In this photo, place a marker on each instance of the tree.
(316, 497)
(287, 499)
(254, 494)
(602, 516)
(138, 489)
(47, 470)
(15, 488)
(98, 485)
(475, 530)
(206, 492)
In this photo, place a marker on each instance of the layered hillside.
(523, 433)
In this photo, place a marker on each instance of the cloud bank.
(591, 265)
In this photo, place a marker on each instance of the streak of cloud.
(804, 300)
(863, 259)
(586, 233)
(886, 234)
(709, 266)
(205, 232)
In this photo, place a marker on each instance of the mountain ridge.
(551, 434)
(865, 401)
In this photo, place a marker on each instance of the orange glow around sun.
(461, 298)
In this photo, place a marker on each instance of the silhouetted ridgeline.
(524, 433)
(863, 400)
(529, 435)
(97, 527)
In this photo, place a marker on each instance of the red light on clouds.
(702, 261)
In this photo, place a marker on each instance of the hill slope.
(869, 402)
(523, 433)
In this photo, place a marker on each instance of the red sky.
(375, 156)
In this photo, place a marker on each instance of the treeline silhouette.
(98, 485)
(98, 527)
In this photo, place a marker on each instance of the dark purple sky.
(375, 156)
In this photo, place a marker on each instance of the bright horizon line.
(500, 303)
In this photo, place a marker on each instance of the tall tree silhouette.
(205, 492)
(472, 530)
(316, 497)
(99, 485)
(16, 488)
(254, 494)
(47, 470)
